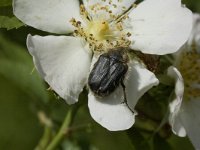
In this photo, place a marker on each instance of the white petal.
(196, 29)
(111, 112)
(184, 116)
(139, 81)
(63, 62)
(175, 105)
(47, 15)
(159, 27)
(178, 127)
(102, 14)
(174, 118)
(195, 35)
(179, 83)
(191, 120)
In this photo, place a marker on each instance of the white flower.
(185, 108)
(154, 27)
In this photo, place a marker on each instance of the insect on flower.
(109, 72)
(102, 30)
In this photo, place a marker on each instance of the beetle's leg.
(125, 99)
(124, 91)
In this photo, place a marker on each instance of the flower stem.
(45, 138)
(62, 131)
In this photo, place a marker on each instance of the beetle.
(108, 72)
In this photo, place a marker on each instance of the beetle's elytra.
(108, 72)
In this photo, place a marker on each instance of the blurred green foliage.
(23, 95)
(5, 2)
(9, 22)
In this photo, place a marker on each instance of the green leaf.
(5, 2)
(10, 22)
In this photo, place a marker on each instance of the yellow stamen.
(189, 68)
(99, 30)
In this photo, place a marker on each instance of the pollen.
(102, 29)
(189, 68)
(99, 29)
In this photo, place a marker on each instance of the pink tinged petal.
(63, 62)
(191, 121)
(175, 105)
(47, 15)
(159, 27)
(139, 81)
(102, 14)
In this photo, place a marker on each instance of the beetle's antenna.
(125, 99)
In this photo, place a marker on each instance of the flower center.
(101, 33)
(99, 30)
(189, 68)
